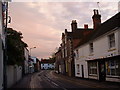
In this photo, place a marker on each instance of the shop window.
(112, 68)
(92, 68)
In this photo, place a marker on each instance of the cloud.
(43, 23)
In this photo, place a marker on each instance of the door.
(102, 72)
(82, 71)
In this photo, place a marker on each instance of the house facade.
(69, 41)
(47, 64)
(26, 64)
(98, 57)
(59, 62)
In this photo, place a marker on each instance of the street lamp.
(30, 50)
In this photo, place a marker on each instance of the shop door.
(82, 71)
(102, 72)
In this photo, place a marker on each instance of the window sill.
(112, 49)
(93, 75)
(112, 76)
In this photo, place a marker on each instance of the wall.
(1, 65)
(26, 67)
(46, 66)
(101, 50)
(14, 74)
(1, 50)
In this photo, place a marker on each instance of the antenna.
(98, 7)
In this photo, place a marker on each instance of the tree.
(15, 47)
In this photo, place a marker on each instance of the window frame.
(91, 47)
(111, 40)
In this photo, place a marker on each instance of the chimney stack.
(96, 19)
(74, 25)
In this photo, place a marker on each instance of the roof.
(78, 33)
(105, 27)
(47, 61)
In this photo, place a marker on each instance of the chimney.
(74, 25)
(85, 26)
(65, 30)
(96, 19)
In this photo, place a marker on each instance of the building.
(47, 64)
(26, 64)
(36, 64)
(98, 56)
(59, 63)
(31, 65)
(69, 41)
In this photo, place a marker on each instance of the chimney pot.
(85, 26)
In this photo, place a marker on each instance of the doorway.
(102, 71)
(82, 71)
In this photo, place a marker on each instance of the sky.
(42, 23)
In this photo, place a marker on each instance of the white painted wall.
(100, 50)
(1, 49)
(14, 74)
(34, 60)
(47, 66)
(26, 53)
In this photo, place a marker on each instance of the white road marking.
(55, 84)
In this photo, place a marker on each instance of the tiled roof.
(47, 61)
(105, 27)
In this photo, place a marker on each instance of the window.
(91, 47)
(78, 69)
(65, 51)
(112, 68)
(92, 67)
(111, 40)
(77, 54)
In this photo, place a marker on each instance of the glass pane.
(112, 71)
(117, 72)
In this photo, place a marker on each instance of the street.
(45, 79)
(48, 79)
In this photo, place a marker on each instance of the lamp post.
(30, 50)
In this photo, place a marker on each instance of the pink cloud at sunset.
(42, 23)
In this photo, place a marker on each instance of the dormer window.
(91, 47)
(111, 38)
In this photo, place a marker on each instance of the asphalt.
(26, 81)
(89, 83)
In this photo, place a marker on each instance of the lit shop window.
(92, 68)
(112, 68)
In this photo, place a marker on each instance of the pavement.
(27, 82)
(24, 82)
